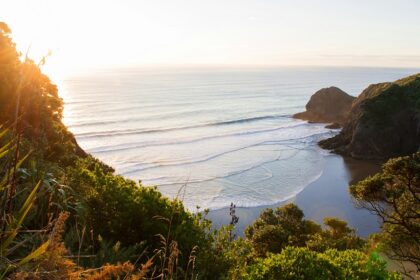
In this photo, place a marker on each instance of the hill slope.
(384, 121)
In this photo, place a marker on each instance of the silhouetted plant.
(394, 196)
(233, 220)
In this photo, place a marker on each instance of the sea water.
(210, 135)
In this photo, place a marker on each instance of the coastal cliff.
(328, 105)
(384, 121)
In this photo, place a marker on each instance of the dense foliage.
(286, 226)
(394, 195)
(121, 210)
(381, 101)
(302, 263)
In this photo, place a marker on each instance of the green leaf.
(35, 254)
(2, 182)
(3, 133)
(13, 227)
(4, 150)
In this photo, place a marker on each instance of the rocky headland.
(384, 121)
(328, 105)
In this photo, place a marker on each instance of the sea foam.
(209, 136)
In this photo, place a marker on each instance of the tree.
(394, 196)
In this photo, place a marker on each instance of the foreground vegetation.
(66, 215)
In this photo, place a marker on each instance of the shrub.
(302, 263)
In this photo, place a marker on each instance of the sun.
(50, 29)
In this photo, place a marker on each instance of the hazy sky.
(90, 33)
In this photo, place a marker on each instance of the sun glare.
(61, 31)
(81, 35)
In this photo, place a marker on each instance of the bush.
(286, 226)
(122, 210)
(301, 263)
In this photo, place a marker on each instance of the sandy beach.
(326, 196)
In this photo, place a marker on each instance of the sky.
(104, 33)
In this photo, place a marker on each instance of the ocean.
(209, 135)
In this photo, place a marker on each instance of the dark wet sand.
(327, 196)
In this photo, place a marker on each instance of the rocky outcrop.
(328, 105)
(384, 122)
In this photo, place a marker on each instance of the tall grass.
(11, 219)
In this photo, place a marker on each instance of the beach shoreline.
(327, 196)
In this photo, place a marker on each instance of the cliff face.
(384, 122)
(328, 105)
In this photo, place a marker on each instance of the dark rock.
(333, 126)
(328, 105)
(384, 122)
